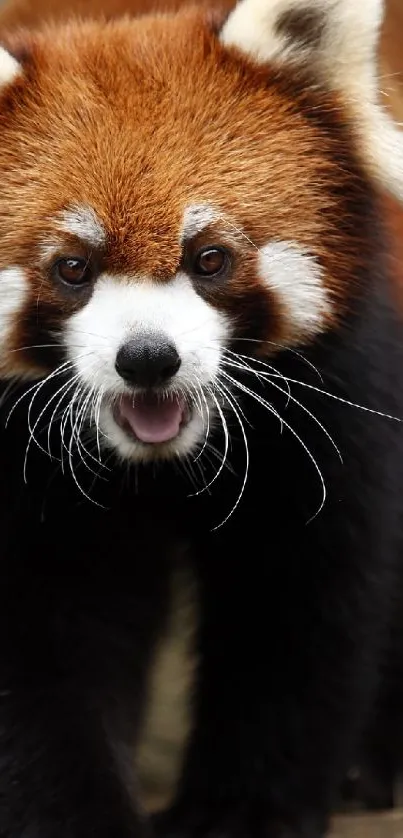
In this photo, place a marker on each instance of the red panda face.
(166, 198)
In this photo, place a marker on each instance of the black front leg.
(58, 773)
(289, 649)
(79, 617)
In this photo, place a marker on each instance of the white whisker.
(38, 385)
(282, 348)
(228, 397)
(346, 401)
(32, 428)
(226, 444)
(75, 478)
(299, 404)
(259, 374)
(50, 400)
(264, 403)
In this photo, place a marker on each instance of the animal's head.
(174, 189)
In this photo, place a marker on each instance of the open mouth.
(151, 418)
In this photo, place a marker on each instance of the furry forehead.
(335, 40)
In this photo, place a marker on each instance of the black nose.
(147, 360)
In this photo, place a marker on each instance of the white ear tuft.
(381, 146)
(9, 67)
(337, 40)
(337, 36)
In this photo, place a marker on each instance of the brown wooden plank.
(369, 826)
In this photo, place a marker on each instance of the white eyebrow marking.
(196, 218)
(82, 221)
(48, 250)
(9, 67)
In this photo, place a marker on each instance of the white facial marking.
(9, 68)
(48, 250)
(13, 293)
(296, 278)
(196, 218)
(83, 223)
(122, 307)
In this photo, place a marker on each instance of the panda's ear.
(339, 37)
(10, 68)
(337, 40)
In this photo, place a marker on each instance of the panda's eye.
(210, 262)
(73, 270)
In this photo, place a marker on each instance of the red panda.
(193, 265)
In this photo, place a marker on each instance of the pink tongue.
(152, 419)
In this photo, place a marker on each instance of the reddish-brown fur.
(139, 119)
(29, 12)
(113, 134)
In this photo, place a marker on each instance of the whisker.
(283, 348)
(50, 400)
(260, 375)
(66, 386)
(75, 478)
(46, 346)
(88, 334)
(228, 397)
(63, 424)
(12, 385)
(213, 451)
(205, 487)
(64, 393)
(97, 413)
(81, 413)
(38, 385)
(77, 412)
(186, 465)
(207, 433)
(226, 443)
(346, 401)
(301, 406)
(296, 436)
